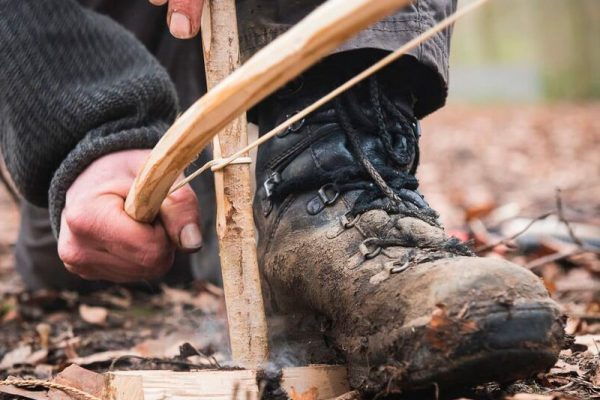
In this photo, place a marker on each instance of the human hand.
(99, 241)
(183, 16)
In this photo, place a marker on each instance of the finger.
(183, 17)
(82, 258)
(158, 2)
(103, 266)
(179, 214)
(103, 224)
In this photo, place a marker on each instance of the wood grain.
(235, 224)
(283, 59)
(330, 381)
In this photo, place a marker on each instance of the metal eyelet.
(397, 266)
(329, 193)
(417, 128)
(367, 252)
(270, 184)
(348, 223)
(295, 127)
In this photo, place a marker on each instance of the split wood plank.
(282, 60)
(121, 387)
(330, 381)
(235, 223)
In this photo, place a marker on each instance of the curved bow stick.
(282, 60)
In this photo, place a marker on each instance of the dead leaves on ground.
(43, 332)
(72, 377)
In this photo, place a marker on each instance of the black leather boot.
(345, 235)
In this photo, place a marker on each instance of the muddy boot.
(345, 234)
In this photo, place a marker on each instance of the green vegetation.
(558, 39)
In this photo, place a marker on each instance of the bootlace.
(391, 181)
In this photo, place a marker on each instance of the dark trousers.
(259, 22)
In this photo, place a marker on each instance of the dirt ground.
(520, 182)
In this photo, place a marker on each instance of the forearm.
(75, 86)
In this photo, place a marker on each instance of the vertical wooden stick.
(235, 224)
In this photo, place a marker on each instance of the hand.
(99, 241)
(183, 16)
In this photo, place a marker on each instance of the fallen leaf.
(16, 356)
(78, 378)
(591, 341)
(206, 300)
(563, 368)
(93, 315)
(595, 379)
(28, 394)
(530, 396)
(310, 394)
(37, 357)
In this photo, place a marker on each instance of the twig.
(31, 383)
(353, 395)
(487, 247)
(561, 217)
(555, 257)
(179, 363)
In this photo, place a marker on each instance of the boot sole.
(509, 344)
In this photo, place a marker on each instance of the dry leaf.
(78, 378)
(310, 394)
(207, 300)
(93, 315)
(563, 368)
(15, 391)
(591, 341)
(530, 396)
(17, 356)
(37, 357)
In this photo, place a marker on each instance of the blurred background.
(522, 113)
(511, 163)
(535, 50)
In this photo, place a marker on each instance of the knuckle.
(73, 256)
(78, 220)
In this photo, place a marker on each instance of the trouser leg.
(260, 22)
(36, 257)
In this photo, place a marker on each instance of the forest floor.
(519, 182)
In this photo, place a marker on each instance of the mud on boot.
(345, 234)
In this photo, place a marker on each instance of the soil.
(491, 171)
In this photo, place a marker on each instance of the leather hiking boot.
(344, 234)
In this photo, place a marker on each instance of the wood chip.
(93, 315)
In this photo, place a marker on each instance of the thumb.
(180, 216)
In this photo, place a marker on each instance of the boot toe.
(466, 321)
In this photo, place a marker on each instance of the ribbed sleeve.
(74, 86)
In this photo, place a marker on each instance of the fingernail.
(190, 237)
(180, 26)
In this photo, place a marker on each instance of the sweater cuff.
(89, 150)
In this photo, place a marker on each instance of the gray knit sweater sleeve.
(74, 86)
